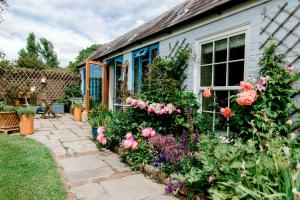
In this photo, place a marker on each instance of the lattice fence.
(54, 88)
(282, 25)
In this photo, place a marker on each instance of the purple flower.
(170, 150)
(173, 185)
(184, 140)
(196, 138)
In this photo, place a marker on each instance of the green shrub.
(6, 108)
(25, 111)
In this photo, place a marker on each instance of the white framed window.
(222, 60)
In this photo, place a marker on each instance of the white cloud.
(74, 25)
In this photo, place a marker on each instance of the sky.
(72, 25)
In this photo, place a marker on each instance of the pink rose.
(263, 79)
(260, 87)
(246, 85)
(148, 132)
(289, 68)
(246, 97)
(178, 110)
(129, 100)
(127, 143)
(128, 136)
(103, 140)
(207, 92)
(101, 130)
(134, 145)
(226, 112)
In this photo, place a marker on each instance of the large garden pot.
(94, 132)
(26, 125)
(77, 114)
(58, 108)
(9, 121)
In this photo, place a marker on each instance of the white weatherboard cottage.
(226, 38)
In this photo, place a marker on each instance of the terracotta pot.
(29, 96)
(26, 125)
(23, 89)
(17, 102)
(77, 114)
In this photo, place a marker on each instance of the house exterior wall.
(250, 18)
(247, 16)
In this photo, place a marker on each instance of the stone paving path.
(88, 173)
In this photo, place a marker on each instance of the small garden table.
(48, 103)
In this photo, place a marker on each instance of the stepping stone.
(81, 163)
(90, 191)
(87, 174)
(134, 187)
(115, 162)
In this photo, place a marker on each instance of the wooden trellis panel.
(56, 81)
(282, 25)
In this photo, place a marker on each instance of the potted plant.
(9, 119)
(20, 95)
(17, 102)
(24, 89)
(77, 112)
(26, 115)
(94, 122)
(29, 95)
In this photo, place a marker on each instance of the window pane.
(222, 99)
(207, 104)
(154, 53)
(136, 75)
(206, 72)
(118, 82)
(206, 53)
(220, 75)
(237, 47)
(236, 73)
(221, 50)
(222, 102)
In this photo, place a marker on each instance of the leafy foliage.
(48, 54)
(37, 55)
(6, 108)
(25, 111)
(83, 54)
(270, 112)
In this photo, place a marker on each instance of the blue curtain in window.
(96, 77)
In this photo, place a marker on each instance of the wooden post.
(87, 91)
(105, 86)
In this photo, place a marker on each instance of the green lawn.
(28, 171)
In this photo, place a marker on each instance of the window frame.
(212, 38)
(139, 53)
(114, 61)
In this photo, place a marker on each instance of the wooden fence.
(55, 86)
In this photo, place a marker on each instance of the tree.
(83, 54)
(32, 48)
(48, 54)
(4, 63)
(3, 5)
(37, 54)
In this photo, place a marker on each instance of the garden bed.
(256, 155)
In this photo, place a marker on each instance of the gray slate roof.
(182, 13)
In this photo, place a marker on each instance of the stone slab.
(132, 187)
(114, 161)
(89, 174)
(89, 191)
(81, 163)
